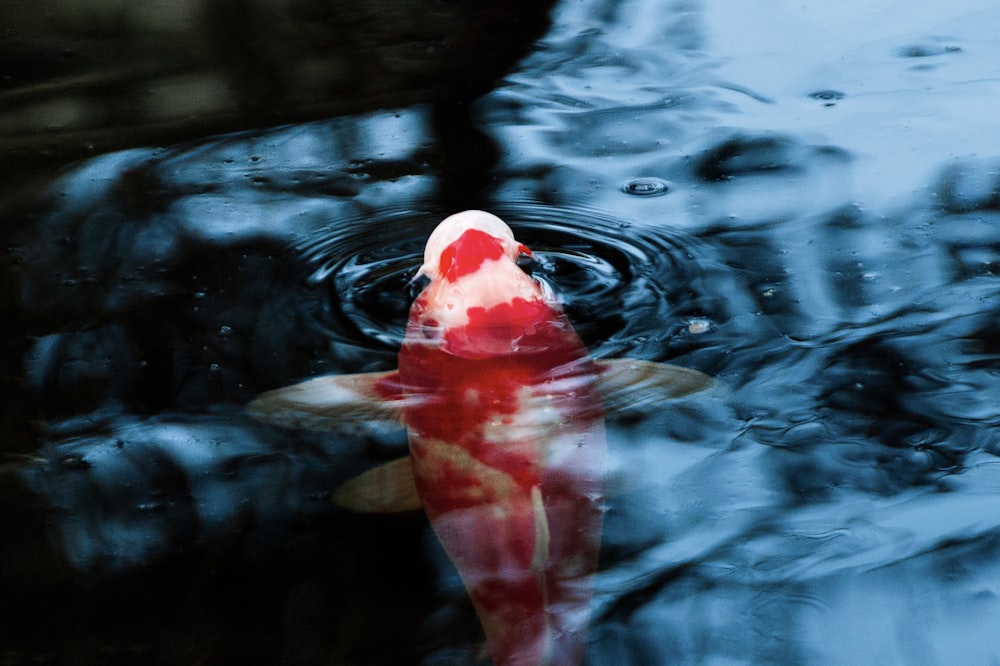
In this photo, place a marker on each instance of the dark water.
(802, 200)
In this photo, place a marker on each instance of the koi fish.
(504, 409)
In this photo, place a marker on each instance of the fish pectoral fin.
(333, 401)
(629, 384)
(388, 488)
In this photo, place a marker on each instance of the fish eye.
(416, 285)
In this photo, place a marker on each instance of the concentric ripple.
(367, 267)
(626, 288)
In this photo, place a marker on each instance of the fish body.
(505, 416)
(506, 438)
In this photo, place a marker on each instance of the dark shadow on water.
(84, 79)
(86, 341)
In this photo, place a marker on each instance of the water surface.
(799, 199)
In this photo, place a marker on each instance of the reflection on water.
(823, 238)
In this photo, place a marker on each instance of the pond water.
(800, 199)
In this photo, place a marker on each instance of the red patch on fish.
(478, 369)
(468, 253)
(521, 326)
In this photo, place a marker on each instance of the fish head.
(462, 243)
(479, 302)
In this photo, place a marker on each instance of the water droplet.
(74, 462)
(646, 187)
(698, 326)
(827, 95)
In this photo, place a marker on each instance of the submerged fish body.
(505, 411)
(506, 440)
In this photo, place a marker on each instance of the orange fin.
(388, 488)
(375, 398)
(369, 399)
(333, 401)
(632, 385)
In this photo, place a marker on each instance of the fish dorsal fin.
(388, 488)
